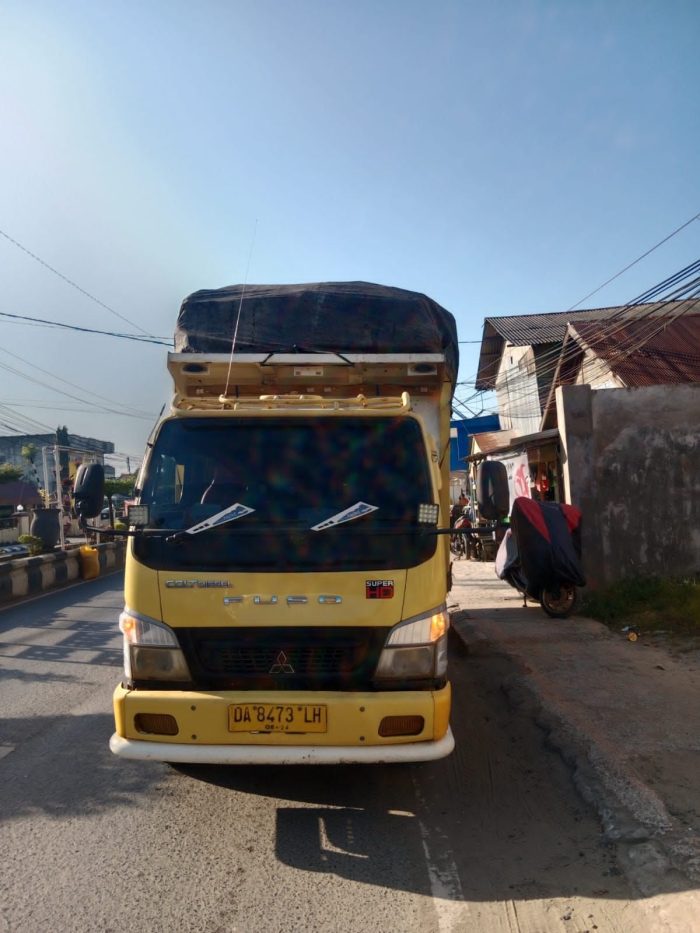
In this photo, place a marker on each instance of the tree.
(120, 486)
(9, 473)
(29, 453)
(63, 442)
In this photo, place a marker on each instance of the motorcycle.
(540, 555)
(458, 540)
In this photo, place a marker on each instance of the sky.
(503, 157)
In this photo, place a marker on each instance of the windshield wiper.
(347, 515)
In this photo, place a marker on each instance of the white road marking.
(6, 749)
(453, 912)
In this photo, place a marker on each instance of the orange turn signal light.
(401, 725)
(156, 724)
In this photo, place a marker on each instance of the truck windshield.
(315, 493)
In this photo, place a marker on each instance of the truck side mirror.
(492, 491)
(89, 490)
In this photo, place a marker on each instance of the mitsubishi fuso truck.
(286, 574)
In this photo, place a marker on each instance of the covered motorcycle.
(541, 554)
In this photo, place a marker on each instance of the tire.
(561, 606)
(457, 545)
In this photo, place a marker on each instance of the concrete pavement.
(624, 715)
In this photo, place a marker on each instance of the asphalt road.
(493, 838)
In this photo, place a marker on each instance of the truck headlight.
(416, 648)
(151, 650)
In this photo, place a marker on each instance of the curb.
(32, 576)
(655, 852)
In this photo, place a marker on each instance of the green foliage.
(35, 544)
(63, 440)
(29, 452)
(649, 604)
(9, 473)
(121, 486)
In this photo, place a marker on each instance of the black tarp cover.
(346, 317)
(545, 533)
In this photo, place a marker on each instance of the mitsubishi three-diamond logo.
(281, 665)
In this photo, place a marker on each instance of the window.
(293, 473)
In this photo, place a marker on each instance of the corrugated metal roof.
(493, 440)
(508, 441)
(535, 329)
(671, 356)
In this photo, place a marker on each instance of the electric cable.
(29, 424)
(634, 262)
(71, 282)
(520, 394)
(616, 321)
(103, 408)
(679, 302)
(23, 318)
(620, 310)
(90, 393)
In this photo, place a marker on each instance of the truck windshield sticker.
(228, 515)
(347, 515)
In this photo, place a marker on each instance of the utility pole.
(45, 476)
(59, 496)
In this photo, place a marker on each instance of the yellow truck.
(286, 578)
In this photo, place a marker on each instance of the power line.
(71, 282)
(630, 311)
(25, 420)
(524, 398)
(160, 341)
(132, 459)
(114, 411)
(90, 393)
(75, 409)
(634, 263)
(67, 382)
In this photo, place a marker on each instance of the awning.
(525, 442)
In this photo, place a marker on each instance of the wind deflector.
(343, 317)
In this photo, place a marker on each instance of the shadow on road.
(104, 593)
(497, 820)
(62, 767)
(75, 626)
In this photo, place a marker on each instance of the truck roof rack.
(302, 402)
(320, 381)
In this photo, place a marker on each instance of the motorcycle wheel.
(562, 605)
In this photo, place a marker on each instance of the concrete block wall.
(30, 576)
(631, 462)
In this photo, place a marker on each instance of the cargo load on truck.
(357, 317)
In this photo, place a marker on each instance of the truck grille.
(283, 658)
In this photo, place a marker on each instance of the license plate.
(276, 717)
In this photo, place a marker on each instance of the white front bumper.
(278, 755)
